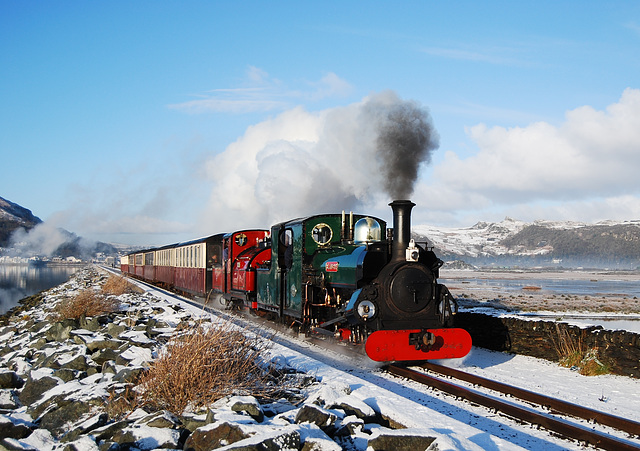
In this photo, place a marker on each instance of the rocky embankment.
(64, 385)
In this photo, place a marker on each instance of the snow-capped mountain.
(24, 235)
(563, 243)
(13, 216)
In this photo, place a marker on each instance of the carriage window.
(322, 234)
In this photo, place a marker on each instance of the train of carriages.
(347, 276)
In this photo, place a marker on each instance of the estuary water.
(568, 286)
(20, 281)
(597, 284)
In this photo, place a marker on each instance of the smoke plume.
(360, 156)
(406, 139)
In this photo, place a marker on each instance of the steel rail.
(564, 428)
(601, 440)
(556, 405)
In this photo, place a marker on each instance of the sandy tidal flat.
(521, 291)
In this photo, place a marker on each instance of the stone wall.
(619, 350)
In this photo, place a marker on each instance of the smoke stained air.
(299, 163)
(406, 139)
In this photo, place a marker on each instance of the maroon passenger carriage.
(165, 271)
(185, 267)
(193, 264)
(138, 265)
(124, 264)
(222, 264)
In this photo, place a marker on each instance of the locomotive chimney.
(401, 227)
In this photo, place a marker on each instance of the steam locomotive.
(346, 276)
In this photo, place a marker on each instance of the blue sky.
(152, 122)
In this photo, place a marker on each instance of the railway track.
(545, 420)
(549, 421)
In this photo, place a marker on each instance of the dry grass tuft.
(201, 366)
(117, 285)
(121, 403)
(590, 365)
(87, 303)
(573, 354)
(568, 348)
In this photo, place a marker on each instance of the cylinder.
(401, 227)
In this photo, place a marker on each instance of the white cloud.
(257, 75)
(499, 55)
(329, 86)
(264, 93)
(301, 163)
(592, 155)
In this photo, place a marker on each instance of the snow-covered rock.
(57, 379)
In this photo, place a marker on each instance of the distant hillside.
(511, 242)
(38, 239)
(617, 244)
(12, 217)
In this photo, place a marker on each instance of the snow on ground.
(616, 395)
(458, 425)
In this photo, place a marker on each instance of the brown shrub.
(591, 365)
(121, 403)
(87, 303)
(201, 366)
(573, 353)
(117, 285)
(570, 350)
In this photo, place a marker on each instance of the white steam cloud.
(47, 240)
(302, 163)
(42, 240)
